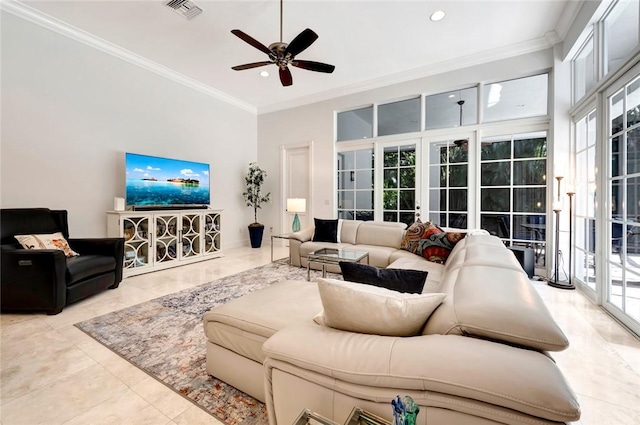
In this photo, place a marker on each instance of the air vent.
(185, 8)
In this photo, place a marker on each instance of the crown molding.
(32, 15)
(475, 59)
(569, 14)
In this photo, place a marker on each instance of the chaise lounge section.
(481, 358)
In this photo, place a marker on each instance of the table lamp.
(296, 205)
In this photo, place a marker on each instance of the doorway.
(296, 183)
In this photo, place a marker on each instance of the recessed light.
(451, 96)
(264, 73)
(437, 15)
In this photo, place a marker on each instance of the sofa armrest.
(33, 279)
(109, 247)
(295, 240)
(450, 364)
(303, 235)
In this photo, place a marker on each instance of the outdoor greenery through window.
(399, 183)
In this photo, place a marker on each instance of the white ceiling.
(370, 42)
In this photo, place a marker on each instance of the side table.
(282, 236)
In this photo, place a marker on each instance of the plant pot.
(255, 234)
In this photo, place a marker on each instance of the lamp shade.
(296, 205)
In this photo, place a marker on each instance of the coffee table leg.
(324, 270)
(308, 271)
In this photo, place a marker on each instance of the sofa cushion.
(84, 266)
(350, 306)
(442, 369)
(405, 260)
(378, 255)
(349, 230)
(46, 241)
(325, 230)
(498, 304)
(244, 324)
(381, 233)
(401, 280)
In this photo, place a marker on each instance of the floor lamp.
(296, 205)
(554, 279)
(555, 282)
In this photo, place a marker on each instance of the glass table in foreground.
(357, 417)
(326, 256)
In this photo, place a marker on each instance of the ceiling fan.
(283, 54)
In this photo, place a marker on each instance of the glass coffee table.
(326, 256)
(357, 417)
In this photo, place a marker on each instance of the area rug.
(164, 337)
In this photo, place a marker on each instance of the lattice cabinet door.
(166, 238)
(191, 235)
(136, 234)
(211, 232)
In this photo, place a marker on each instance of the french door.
(399, 171)
(622, 112)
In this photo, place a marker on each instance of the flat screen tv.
(163, 182)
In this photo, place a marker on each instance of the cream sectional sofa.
(481, 358)
(380, 239)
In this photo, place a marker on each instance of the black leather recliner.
(45, 279)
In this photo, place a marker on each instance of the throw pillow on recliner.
(401, 280)
(53, 241)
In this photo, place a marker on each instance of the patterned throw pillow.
(53, 241)
(429, 241)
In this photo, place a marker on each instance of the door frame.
(282, 210)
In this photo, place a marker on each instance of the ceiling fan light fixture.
(438, 15)
(282, 54)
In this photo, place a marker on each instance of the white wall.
(70, 112)
(315, 123)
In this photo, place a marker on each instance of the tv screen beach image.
(163, 181)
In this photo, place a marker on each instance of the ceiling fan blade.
(248, 39)
(285, 77)
(301, 42)
(314, 66)
(250, 65)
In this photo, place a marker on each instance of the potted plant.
(254, 198)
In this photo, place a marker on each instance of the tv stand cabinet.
(157, 240)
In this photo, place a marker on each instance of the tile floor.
(52, 373)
